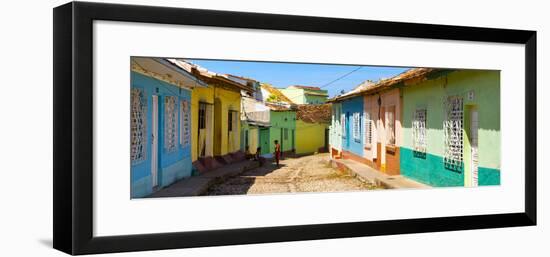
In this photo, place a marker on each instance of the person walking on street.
(277, 152)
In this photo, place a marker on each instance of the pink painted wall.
(389, 98)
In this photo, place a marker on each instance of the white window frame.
(142, 111)
(454, 133)
(367, 120)
(185, 123)
(356, 128)
(419, 130)
(343, 122)
(393, 128)
(170, 124)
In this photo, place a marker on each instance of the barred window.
(202, 116)
(452, 128)
(138, 125)
(344, 125)
(185, 121)
(356, 127)
(390, 125)
(419, 131)
(368, 129)
(170, 124)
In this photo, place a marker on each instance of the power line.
(343, 76)
(328, 84)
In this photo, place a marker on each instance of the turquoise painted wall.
(172, 165)
(265, 141)
(349, 107)
(281, 120)
(430, 95)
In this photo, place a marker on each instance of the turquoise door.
(264, 140)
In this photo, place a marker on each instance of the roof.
(310, 90)
(409, 77)
(314, 113)
(305, 87)
(274, 91)
(210, 76)
(280, 107)
(162, 69)
(241, 78)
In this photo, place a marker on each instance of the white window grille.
(390, 125)
(170, 123)
(453, 129)
(356, 127)
(368, 129)
(419, 131)
(185, 122)
(138, 124)
(344, 125)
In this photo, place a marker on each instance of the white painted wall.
(26, 216)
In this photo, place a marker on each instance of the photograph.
(181, 126)
(209, 127)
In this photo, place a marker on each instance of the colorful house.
(383, 131)
(282, 128)
(346, 128)
(160, 99)
(305, 94)
(312, 124)
(254, 115)
(451, 127)
(440, 127)
(378, 126)
(255, 118)
(282, 120)
(216, 112)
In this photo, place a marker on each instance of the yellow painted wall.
(228, 100)
(309, 136)
(205, 95)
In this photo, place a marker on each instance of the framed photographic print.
(177, 128)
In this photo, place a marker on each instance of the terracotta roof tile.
(314, 113)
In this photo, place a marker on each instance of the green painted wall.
(264, 140)
(430, 95)
(300, 96)
(281, 120)
(315, 99)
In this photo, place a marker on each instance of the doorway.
(264, 140)
(474, 158)
(154, 142)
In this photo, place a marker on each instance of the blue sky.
(287, 74)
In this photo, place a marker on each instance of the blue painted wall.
(350, 106)
(172, 165)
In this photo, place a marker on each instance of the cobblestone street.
(301, 174)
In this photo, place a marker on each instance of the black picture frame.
(73, 127)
